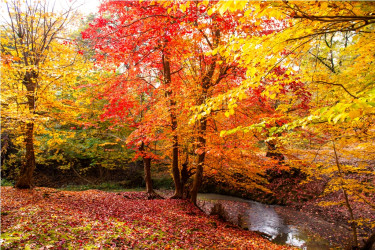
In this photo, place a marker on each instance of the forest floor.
(54, 219)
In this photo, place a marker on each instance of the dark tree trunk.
(151, 194)
(175, 170)
(147, 168)
(184, 176)
(186, 173)
(25, 180)
(197, 180)
(172, 111)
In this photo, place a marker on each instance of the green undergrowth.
(162, 182)
(106, 186)
(5, 182)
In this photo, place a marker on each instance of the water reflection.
(263, 218)
(259, 217)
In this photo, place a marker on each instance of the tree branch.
(337, 84)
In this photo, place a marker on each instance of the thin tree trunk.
(148, 180)
(147, 169)
(353, 225)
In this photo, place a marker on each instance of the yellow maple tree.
(40, 65)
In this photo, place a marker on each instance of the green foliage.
(164, 182)
(85, 148)
(5, 182)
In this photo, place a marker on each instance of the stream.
(279, 224)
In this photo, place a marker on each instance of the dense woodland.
(272, 101)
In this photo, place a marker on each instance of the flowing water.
(264, 219)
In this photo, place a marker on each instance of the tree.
(139, 33)
(38, 65)
(327, 44)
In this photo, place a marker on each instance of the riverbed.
(281, 225)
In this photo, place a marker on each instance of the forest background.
(272, 101)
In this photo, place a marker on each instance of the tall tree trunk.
(202, 123)
(172, 111)
(25, 180)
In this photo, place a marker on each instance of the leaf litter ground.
(54, 219)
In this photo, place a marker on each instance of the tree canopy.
(223, 92)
